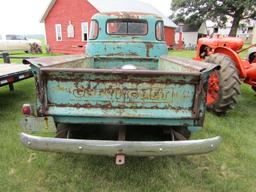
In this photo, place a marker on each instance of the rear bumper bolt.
(80, 147)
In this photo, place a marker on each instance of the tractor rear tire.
(229, 84)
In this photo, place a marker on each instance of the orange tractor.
(224, 85)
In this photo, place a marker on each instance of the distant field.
(21, 53)
(231, 168)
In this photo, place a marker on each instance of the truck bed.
(80, 89)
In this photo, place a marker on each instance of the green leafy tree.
(196, 11)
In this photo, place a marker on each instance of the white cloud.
(22, 16)
(162, 5)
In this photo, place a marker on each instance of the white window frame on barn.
(70, 30)
(84, 31)
(58, 32)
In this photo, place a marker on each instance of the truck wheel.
(62, 131)
(178, 134)
(182, 134)
(224, 85)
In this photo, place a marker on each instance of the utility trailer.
(125, 79)
(11, 73)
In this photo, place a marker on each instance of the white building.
(191, 34)
(245, 31)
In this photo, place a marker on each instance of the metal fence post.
(11, 87)
(6, 57)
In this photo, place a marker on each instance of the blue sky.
(22, 16)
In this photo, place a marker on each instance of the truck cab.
(124, 82)
(127, 35)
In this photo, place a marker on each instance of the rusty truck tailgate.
(173, 93)
(120, 94)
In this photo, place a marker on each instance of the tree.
(216, 10)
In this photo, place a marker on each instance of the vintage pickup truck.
(125, 82)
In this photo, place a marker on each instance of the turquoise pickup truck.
(126, 90)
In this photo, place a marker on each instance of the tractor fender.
(235, 57)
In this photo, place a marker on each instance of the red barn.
(67, 21)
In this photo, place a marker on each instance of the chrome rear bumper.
(112, 148)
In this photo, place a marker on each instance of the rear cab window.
(127, 27)
(160, 31)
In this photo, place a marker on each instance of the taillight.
(26, 109)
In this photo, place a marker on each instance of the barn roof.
(119, 6)
(48, 9)
(202, 29)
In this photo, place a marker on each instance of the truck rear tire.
(62, 130)
(182, 134)
(224, 85)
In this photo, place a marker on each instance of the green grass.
(231, 168)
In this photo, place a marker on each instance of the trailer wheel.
(224, 85)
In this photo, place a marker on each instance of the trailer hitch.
(120, 157)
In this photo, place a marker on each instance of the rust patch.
(120, 106)
(131, 78)
(149, 46)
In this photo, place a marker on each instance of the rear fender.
(235, 57)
